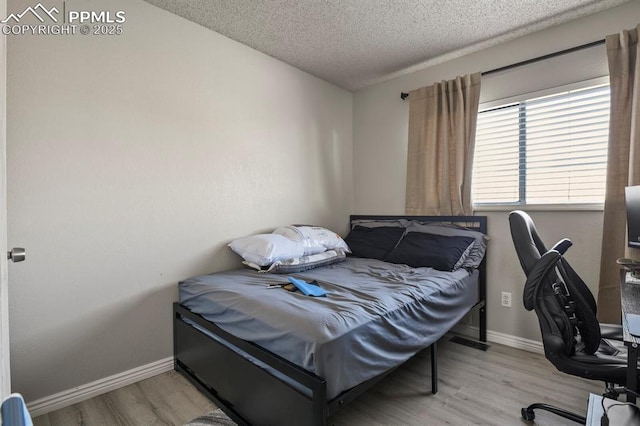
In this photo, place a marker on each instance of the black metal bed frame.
(255, 386)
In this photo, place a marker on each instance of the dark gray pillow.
(476, 254)
(445, 253)
(306, 263)
(300, 264)
(373, 243)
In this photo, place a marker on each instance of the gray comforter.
(376, 315)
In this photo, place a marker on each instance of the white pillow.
(264, 249)
(295, 234)
(301, 264)
(314, 239)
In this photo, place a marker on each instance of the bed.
(266, 356)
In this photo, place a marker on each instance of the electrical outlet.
(506, 299)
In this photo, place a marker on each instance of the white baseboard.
(501, 338)
(84, 392)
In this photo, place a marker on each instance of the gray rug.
(216, 417)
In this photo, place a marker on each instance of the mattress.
(376, 315)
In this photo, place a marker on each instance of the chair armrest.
(562, 246)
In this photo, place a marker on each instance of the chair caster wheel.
(528, 415)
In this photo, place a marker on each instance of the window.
(549, 149)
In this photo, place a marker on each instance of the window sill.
(540, 207)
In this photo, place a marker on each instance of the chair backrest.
(529, 246)
(563, 303)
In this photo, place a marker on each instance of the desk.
(620, 415)
(630, 298)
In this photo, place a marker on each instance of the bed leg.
(483, 324)
(434, 368)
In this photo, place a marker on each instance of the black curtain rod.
(405, 95)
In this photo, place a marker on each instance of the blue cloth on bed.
(306, 288)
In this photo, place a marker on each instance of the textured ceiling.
(356, 43)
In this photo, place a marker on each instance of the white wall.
(380, 148)
(132, 161)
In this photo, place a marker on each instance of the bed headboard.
(477, 223)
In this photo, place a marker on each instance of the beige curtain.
(623, 166)
(442, 131)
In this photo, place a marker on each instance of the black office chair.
(573, 340)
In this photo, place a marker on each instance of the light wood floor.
(475, 387)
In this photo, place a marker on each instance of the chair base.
(529, 415)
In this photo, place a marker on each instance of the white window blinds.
(545, 150)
